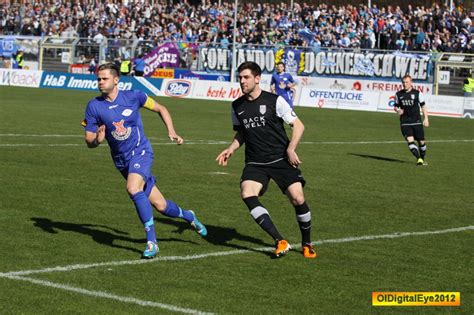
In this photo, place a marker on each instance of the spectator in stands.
(468, 86)
(3, 64)
(92, 66)
(20, 60)
(125, 67)
(257, 23)
(139, 66)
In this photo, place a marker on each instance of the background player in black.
(407, 104)
(258, 118)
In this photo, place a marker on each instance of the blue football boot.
(198, 226)
(151, 250)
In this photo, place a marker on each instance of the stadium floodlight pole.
(234, 38)
(291, 9)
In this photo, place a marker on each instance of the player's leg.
(409, 134)
(249, 191)
(303, 216)
(172, 210)
(291, 182)
(420, 138)
(135, 185)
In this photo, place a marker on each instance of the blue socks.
(173, 211)
(145, 213)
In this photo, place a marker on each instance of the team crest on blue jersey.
(121, 132)
(127, 112)
(263, 109)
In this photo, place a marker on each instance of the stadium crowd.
(322, 25)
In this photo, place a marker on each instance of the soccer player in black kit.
(258, 118)
(407, 104)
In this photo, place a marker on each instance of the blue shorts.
(141, 163)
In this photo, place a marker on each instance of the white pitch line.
(228, 253)
(106, 295)
(217, 142)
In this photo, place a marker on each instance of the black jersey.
(261, 123)
(411, 103)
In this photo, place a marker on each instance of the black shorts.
(415, 131)
(281, 172)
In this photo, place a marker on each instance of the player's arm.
(285, 112)
(397, 107)
(292, 83)
(424, 109)
(94, 130)
(296, 135)
(94, 139)
(165, 116)
(237, 142)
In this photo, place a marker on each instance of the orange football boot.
(281, 248)
(308, 251)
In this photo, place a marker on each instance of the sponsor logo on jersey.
(413, 96)
(127, 112)
(263, 109)
(121, 132)
(255, 122)
(178, 88)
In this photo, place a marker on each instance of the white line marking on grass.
(214, 142)
(106, 295)
(36, 135)
(231, 252)
(218, 173)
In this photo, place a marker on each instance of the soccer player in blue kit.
(115, 116)
(282, 83)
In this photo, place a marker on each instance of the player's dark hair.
(252, 66)
(407, 76)
(114, 69)
(281, 63)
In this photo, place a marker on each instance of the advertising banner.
(177, 88)
(359, 84)
(187, 74)
(468, 110)
(441, 105)
(438, 105)
(79, 68)
(25, 78)
(60, 80)
(338, 63)
(214, 90)
(163, 73)
(163, 56)
(355, 100)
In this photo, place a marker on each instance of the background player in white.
(114, 116)
(258, 118)
(407, 104)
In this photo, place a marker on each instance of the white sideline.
(18, 275)
(106, 295)
(214, 142)
(230, 252)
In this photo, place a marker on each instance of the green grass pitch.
(62, 204)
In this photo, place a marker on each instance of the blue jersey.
(281, 81)
(123, 124)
